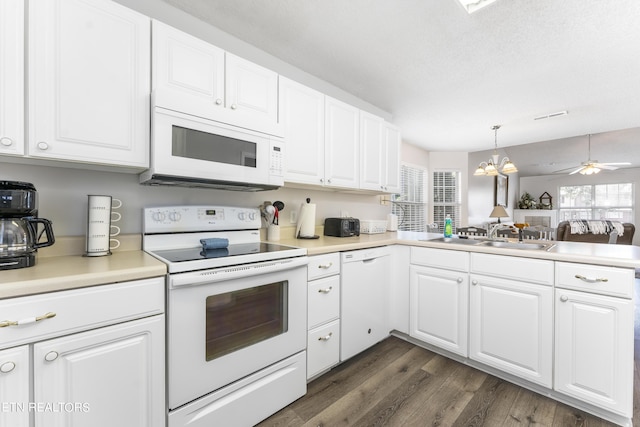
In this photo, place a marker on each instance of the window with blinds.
(446, 198)
(410, 206)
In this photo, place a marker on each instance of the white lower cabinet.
(96, 358)
(111, 376)
(323, 314)
(14, 386)
(511, 319)
(439, 307)
(594, 337)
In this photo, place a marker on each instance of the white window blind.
(446, 198)
(600, 201)
(410, 205)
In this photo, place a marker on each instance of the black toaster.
(341, 227)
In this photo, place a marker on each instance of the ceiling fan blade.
(565, 169)
(615, 164)
(577, 170)
(605, 166)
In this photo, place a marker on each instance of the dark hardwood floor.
(396, 383)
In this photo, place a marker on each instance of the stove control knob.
(252, 216)
(175, 216)
(158, 216)
(241, 216)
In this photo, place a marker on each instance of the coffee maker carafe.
(19, 235)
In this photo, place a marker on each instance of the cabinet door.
(342, 131)
(114, 376)
(439, 308)
(391, 161)
(594, 349)
(14, 386)
(302, 115)
(371, 146)
(188, 73)
(251, 92)
(12, 77)
(511, 327)
(89, 82)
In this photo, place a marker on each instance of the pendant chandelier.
(495, 165)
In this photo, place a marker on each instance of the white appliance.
(236, 315)
(192, 151)
(364, 291)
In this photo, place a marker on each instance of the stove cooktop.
(193, 254)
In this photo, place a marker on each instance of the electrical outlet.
(384, 200)
(293, 217)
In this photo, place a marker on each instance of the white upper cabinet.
(89, 82)
(371, 147)
(196, 77)
(342, 130)
(391, 159)
(12, 77)
(175, 75)
(302, 115)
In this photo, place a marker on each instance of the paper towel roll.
(306, 220)
(392, 222)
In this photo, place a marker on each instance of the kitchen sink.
(455, 240)
(517, 245)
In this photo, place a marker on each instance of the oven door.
(192, 147)
(232, 322)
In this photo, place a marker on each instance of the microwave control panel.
(276, 162)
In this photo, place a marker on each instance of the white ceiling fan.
(593, 166)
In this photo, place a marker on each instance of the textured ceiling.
(447, 76)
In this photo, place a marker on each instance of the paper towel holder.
(301, 219)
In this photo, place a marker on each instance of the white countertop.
(57, 273)
(627, 256)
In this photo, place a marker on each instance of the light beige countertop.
(57, 273)
(627, 256)
(70, 271)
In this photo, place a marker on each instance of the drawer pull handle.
(26, 321)
(564, 298)
(459, 280)
(326, 290)
(325, 266)
(7, 367)
(591, 279)
(474, 282)
(326, 337)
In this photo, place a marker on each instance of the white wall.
(537, 185)
(63, 194)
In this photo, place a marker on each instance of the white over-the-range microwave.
(192, 151)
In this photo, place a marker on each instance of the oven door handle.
(235, 272)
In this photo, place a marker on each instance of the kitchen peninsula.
(557, 320)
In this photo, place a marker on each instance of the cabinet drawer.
(323, 348)
(595, 279)
(510, 267)
(79, 309)
(324, 300)
(440, 258)
(323, 266)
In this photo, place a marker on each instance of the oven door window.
(195, 144)
(245, 317)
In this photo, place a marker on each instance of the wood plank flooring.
(396, 383)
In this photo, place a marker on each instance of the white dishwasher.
(364, 309)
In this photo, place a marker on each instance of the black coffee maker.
(19, 235)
